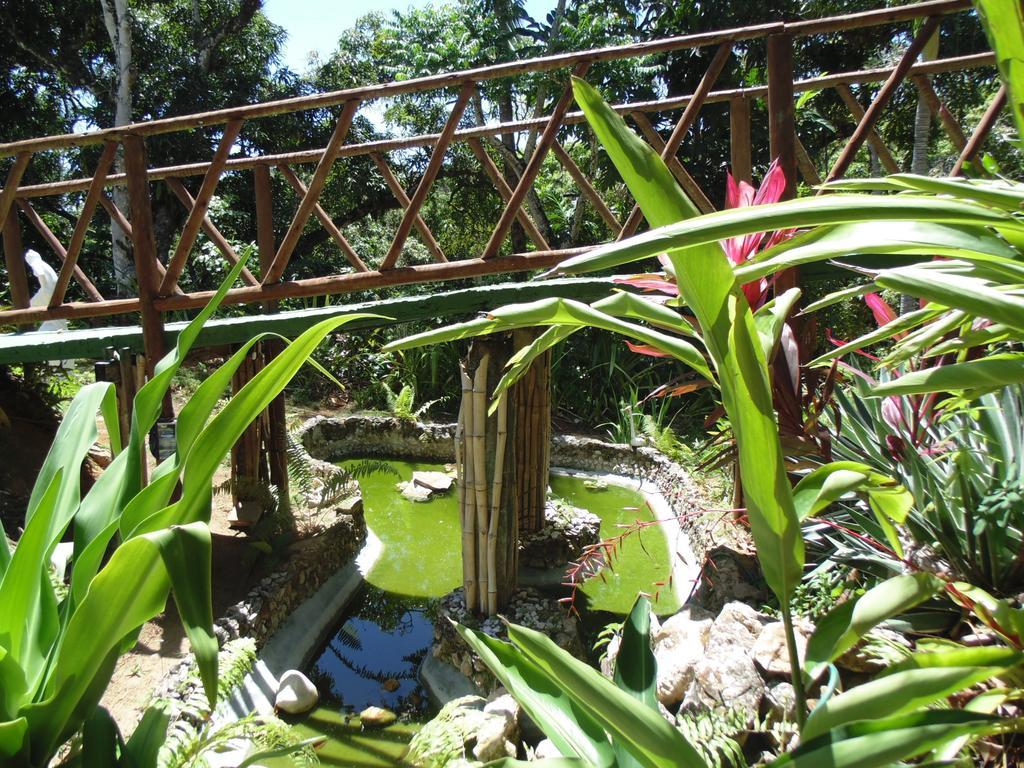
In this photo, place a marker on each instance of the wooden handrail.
(937, 66)
(491, 72)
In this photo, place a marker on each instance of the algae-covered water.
(372, 657)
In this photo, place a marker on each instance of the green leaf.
(771, 318)
(901, 324)
(846, 624)
(143, 748)
(882, 743)
(983, 656)
(568, 725)
(949, 287)
(13, 741)
(992, 372)
(636, 671)
(187, 555)
(637, 728)
(100, 740)
(649, 179)
(807, 212)
(892, 695)
(708, 287)
(1004, 24)
(826, 484)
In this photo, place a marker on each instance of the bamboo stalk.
(478, 436)
(496, 487)
(466, 480)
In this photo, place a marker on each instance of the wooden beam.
(806, 166)
(58, 248)
(739, 139)
(14, 256)
(215, 235)
(433, 167)
(325, 220)
(399, 192)
(116, 214)
(505, 191)
(939, 109)
(82, 225)
(880, 101)
(671, 147)
(884, 156)
(982, 130)
(586, 187)
(144, 251)
(686, 181)
(197, 214)
(316, 186)
(532, 166)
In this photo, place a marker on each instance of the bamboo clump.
(465, 485)
(496, 505)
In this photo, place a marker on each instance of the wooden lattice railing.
(159, 289)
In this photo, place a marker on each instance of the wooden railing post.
(781, 118)
(739, 139)
(144, 253)
(14, 257)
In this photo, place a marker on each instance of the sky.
(316, 25)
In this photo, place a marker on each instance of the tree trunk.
(118, 21)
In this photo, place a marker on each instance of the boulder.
(438, 482)
(351, 505)
(376, 717)
(771, 654)
(295, 693)
(726, 676)
(414, 492)
(678, 648)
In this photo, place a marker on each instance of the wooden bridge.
(194, 184)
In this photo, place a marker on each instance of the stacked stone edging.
(334, 439)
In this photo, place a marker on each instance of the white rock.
(376, 717)
(503, 705)
(414, 492)
(439, 482)
(771, 653)
(495, 738)
(678, 648)
(295, 693)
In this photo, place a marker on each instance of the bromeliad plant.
(57, 653)
(876, 724)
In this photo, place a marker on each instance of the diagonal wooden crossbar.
(939, 110)
(10, 190)
(882, 98)
(316, 186)
(433, 168)
(92, 199)
(505, 192)
(981, 132)
(805, 164)
(215, 235)
(586, 187)
(197, 215)
(682, 127)
(325, 220)
(58, 248)
(533, 166)
(686, 181)
(884, 156)
(403, 199)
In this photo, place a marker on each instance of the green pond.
(372, 656)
